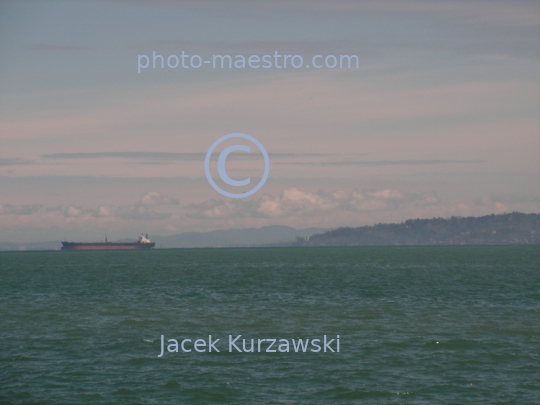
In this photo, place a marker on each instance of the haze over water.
(418, 325)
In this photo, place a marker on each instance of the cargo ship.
(142, 243)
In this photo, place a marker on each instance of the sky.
(440, 118)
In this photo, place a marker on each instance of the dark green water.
(417, 325)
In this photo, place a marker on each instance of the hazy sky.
(441, 118)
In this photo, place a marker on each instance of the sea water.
(417, 325)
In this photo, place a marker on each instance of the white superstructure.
(143, 239)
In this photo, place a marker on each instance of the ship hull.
(106, 246)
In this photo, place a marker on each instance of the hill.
(514, 228)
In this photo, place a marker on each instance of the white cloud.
(8, 209)
(152, 198)
(294, 202)
(138, 211)
(74, 212)
(104, 211)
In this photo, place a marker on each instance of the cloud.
(382, 162)
(294, 202)
(125, 212)
(160, 157)
(8, 209)
(140, 211)
(14, 162)
(128, 155)
(152, 198)
(74, 212)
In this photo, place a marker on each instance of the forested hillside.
(514, 228)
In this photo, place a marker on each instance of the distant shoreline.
(501, 229)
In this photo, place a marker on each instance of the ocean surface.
(417, 325)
